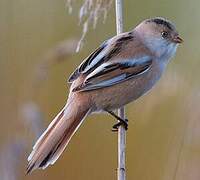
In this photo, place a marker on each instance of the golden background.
(163, 140)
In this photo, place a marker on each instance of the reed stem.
(121, 171)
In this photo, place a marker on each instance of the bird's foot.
(123, 122)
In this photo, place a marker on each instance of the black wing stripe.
(90, 58)
(122, 66)
(117, 46)
(85, 63)
(107, 69)
(88, 85)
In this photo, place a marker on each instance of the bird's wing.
(106, 51)
(114, 72)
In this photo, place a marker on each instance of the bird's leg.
(123, 122)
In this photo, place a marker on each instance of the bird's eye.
(164, 34)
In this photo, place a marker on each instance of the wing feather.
(102, 54)
(89, 62)
(116, 72)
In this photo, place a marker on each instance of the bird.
(122, 69)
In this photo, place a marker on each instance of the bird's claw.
(123, 122)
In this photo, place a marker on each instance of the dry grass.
(89, 14)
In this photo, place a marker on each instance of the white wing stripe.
(96, 59)
(129, 62)
(99, 69)
(106, 82)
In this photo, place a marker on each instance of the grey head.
(160, 36)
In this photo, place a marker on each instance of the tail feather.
(54, 140)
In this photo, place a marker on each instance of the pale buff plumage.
(121, 70)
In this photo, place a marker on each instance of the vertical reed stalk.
(121, 171)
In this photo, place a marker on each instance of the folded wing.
(111, 73)
(105, 52)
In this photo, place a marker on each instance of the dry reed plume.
(89, 14)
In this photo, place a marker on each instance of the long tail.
(54, 140)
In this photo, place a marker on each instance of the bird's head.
(160, 36)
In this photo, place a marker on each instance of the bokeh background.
(37, 54)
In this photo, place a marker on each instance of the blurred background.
(38, 40)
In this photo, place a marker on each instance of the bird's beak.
(177, 40)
